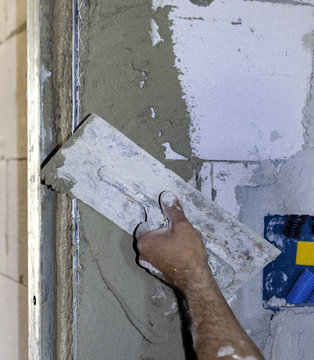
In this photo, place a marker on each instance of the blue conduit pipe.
(311, 299)
(302, 289)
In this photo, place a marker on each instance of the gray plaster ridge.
(285, 2)
(308, 113)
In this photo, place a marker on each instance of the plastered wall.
(221, 92)
(13, 182)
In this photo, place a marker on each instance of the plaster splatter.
(225, 350)
(154, 33)
(170, 154)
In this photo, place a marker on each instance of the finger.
(171, 207)
(141, 230)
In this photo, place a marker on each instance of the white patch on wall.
(153, 112)
(245, 71)
(170, 154)
(225, 177)
(156, 38)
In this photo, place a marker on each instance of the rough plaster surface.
(134, 84)
(248, 55)
(128, 76)
(291, 335)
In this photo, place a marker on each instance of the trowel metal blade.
(107, 171)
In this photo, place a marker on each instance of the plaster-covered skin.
(134, 86)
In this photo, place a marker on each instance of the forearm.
(216, 332)
(178, 252)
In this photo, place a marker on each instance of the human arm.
(178, 252)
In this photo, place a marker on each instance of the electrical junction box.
(297, 254)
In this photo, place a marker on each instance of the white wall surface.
(245, 71)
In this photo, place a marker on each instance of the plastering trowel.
(107, 171)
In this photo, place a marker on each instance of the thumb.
(141, 230)
(171, 207)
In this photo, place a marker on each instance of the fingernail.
(168, 198)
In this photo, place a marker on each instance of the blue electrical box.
(281, 274)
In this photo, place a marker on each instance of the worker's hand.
(177, 250)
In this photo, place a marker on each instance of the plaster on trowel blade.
(107, 171)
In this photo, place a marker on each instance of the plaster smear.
(172, 155)
(243, 68)
(229, 350)
(220, 180)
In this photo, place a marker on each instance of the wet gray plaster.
(120, 57)
(121, 308)
(202, 2)
(123, 77)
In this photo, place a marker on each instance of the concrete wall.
(221, 92)
(13, 182)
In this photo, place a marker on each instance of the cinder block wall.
(13, 185)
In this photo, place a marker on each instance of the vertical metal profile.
(58, 343)
(62, 80)
(33, 197)
(75, 123)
